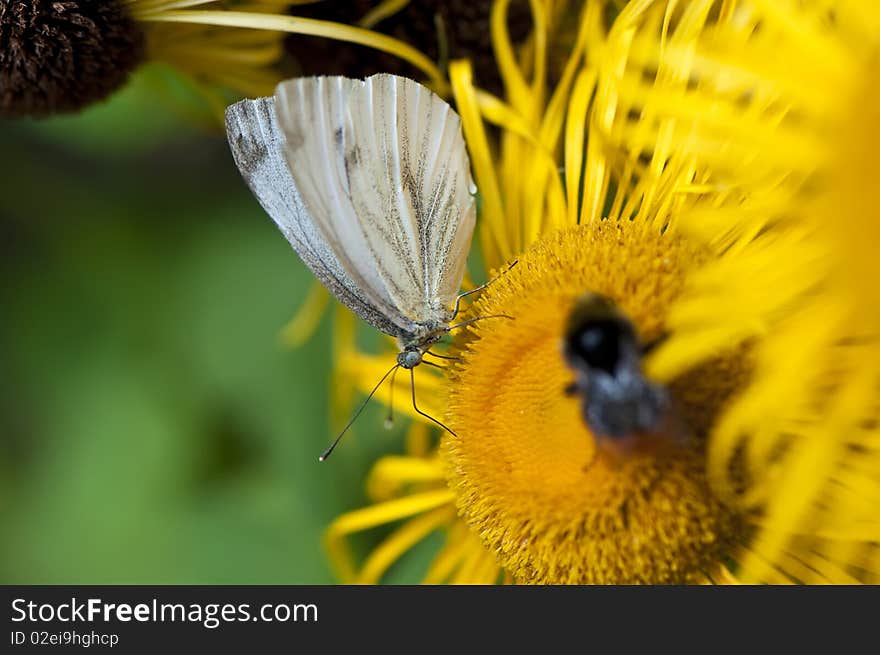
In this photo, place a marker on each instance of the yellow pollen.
(553, 503)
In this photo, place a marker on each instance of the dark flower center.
(62, 55)
(442, 29)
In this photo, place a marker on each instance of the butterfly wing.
(382, 168)
(258, 148)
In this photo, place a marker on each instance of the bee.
(602, 348)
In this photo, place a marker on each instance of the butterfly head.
(409, 357)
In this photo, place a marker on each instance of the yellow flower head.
(709, 167)
(774, 106)
(548, 501)
(556, 504)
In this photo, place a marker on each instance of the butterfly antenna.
(327, 452)
(389, 420)
(412, 379)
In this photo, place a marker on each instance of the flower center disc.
(555, 504)
(61, 56)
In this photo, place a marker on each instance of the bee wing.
(382, 168)
(258, 148)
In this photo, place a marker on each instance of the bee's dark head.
(598, 336)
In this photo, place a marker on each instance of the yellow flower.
(774, 106)
(556, 504)
(538, 497)
(64, 56)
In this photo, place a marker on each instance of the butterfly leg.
(479, 318)
(457, 307)
(433, 354)
(412, 379)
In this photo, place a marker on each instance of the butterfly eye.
(598, 344)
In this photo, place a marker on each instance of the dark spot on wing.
(352, 157)
(252, 151)
(337, 137)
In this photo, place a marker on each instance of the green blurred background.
(153, 429)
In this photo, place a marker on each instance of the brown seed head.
(62, 55)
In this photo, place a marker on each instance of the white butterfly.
(369, 181)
